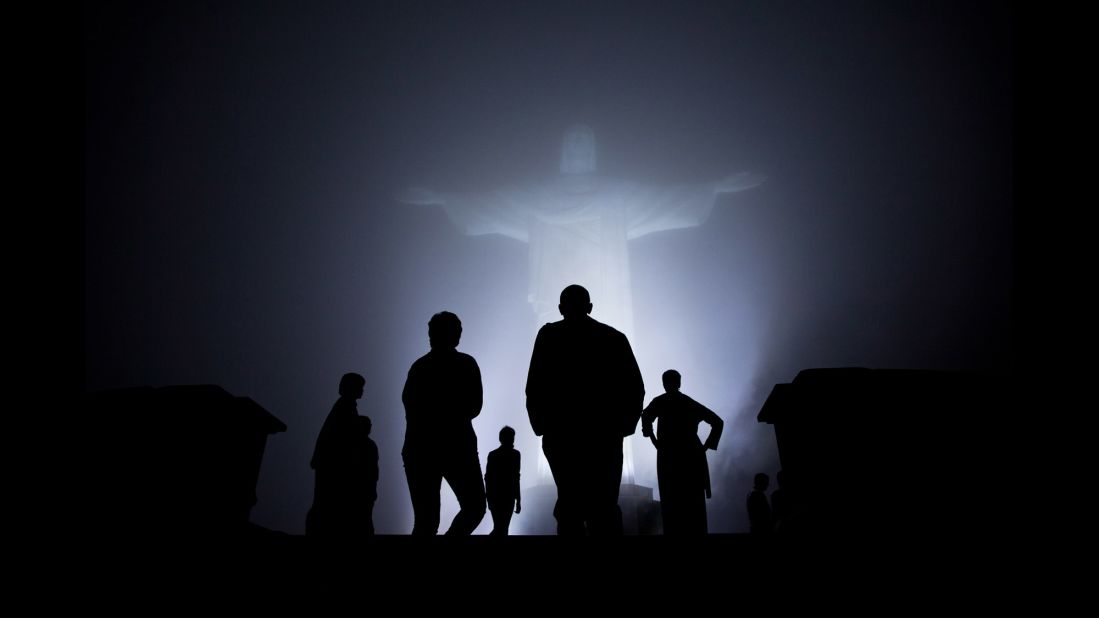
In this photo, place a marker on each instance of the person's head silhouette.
(351, 385)
(507, 436)
(575, 302)
(444, 330)
(672, 380)
(761, 481)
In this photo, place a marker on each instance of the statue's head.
(578, 151)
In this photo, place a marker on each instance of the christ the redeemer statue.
(578, 226)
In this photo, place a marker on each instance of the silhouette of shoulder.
(434, 375)
(660, 400)
(591, 329)
(436, 358)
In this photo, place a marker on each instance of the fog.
(242, 228)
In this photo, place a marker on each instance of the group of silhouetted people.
(776, 515)
(584, 393)
(346, 465)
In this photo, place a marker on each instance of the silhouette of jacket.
(441, 398)
(584, 394)
(583, 378)
(502, 477)
(502, 486)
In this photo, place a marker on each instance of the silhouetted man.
(681, 466)
(502, 482)
(441, 398)
(346, 464)
(759, 510)
(584, 395)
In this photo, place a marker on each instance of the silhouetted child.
(759, 510)
(502, 482)
(368, 453)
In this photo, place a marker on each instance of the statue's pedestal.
(640, 513)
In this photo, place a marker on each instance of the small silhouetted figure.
(502, 482)
(441, 397)
(584, 395)
(759, 511)
(681, 468)
(369, 463)
(345, 462)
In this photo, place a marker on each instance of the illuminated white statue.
(578, 225)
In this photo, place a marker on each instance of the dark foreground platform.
(461, 575)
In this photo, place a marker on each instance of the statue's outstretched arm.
(739, 182)
(656, 209)
(473, 213)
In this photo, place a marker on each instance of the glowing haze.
(577, 226)
(241, 226)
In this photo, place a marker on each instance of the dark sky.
(241, 160)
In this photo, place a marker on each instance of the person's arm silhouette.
(716, 426)
(518, 495)
(647, 418)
